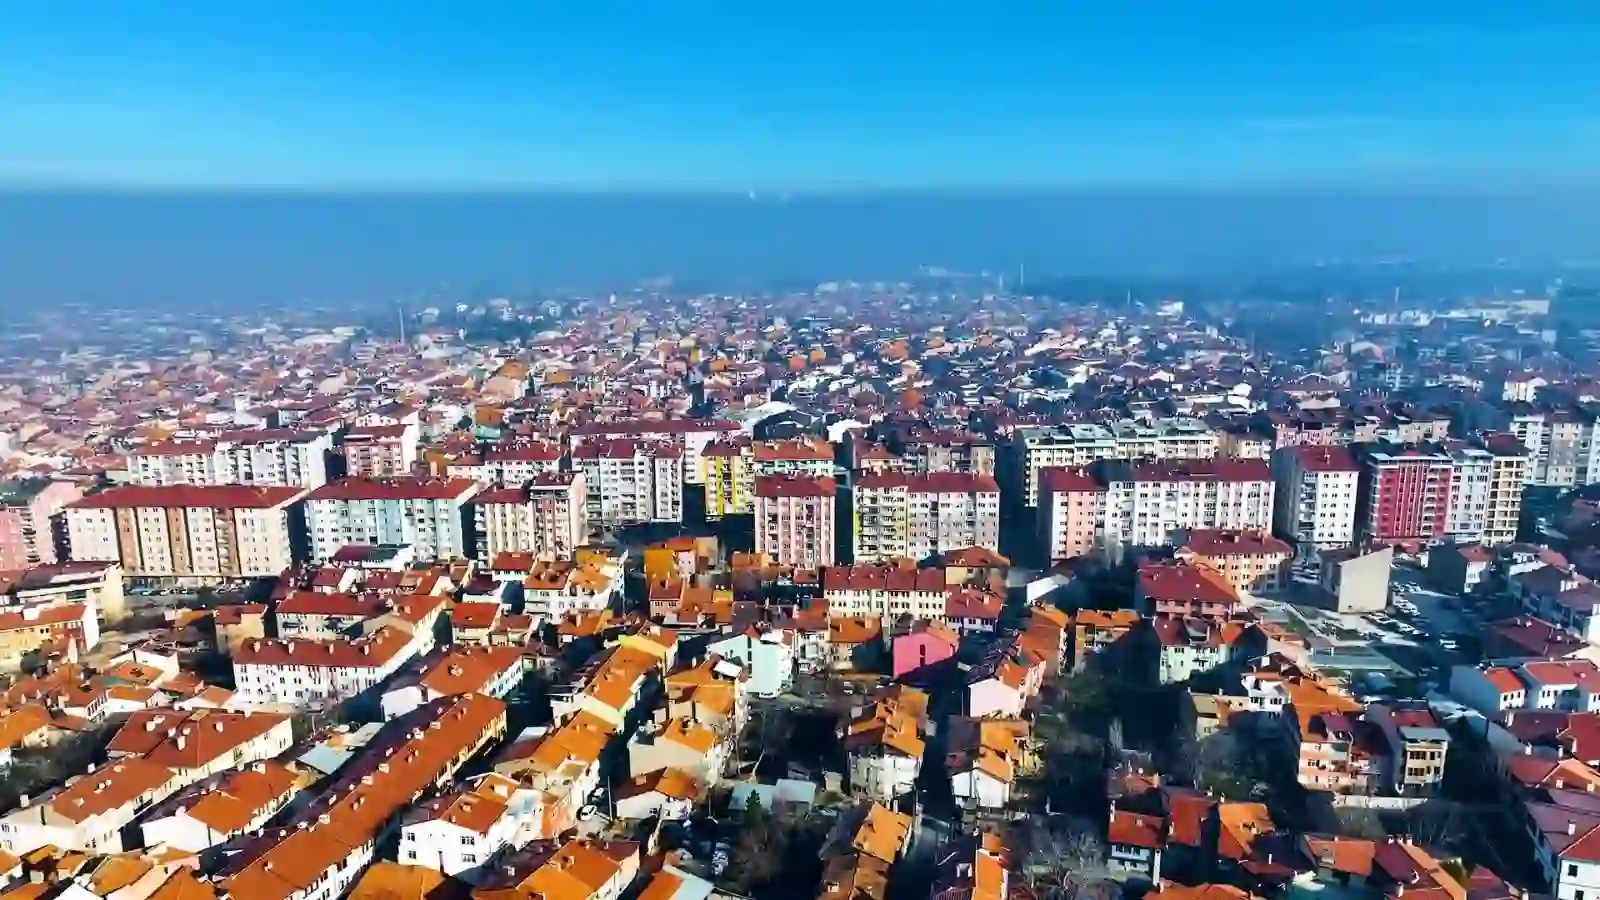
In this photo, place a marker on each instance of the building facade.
(547, 515)
(29, 511)
(630, 482)
(916, 516)
(1316, 489)
(187, 532)
(1036, 448)
(794, 519)
(426, 514)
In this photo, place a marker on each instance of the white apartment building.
(1507, 479)
(691, 434)
(266, 457)
(90, 814)
(1467, 513)
(189, 533)
(1563, 445)
(1074, 446)
(629, 482)
(812, 457)
(915, 516)
(426, 514)
(1146, 504)
(1315, 492)
(794, 519)
(522, 461)
(547, 515)
(315, 674)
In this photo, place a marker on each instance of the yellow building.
(729, 474)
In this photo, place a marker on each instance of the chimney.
(1572, 827)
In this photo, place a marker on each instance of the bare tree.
(1360, 822)
(1067, 864)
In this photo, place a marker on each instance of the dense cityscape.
(866, 592)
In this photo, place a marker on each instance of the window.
(411, 854)
(1572, 870)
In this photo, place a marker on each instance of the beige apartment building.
(187, 533)
(547, 515)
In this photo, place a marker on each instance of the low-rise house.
(314, 674)
(711, 693)
(766, 653)
(923, 648)
(854, 642)
(200, 744)
(885, 746)
(984, 762)
(328, 844)
(679, 744)
(970, 610)
(91, 813)
(221, 808)
(563, 765)
(610, 689)
(669, 794)
(452, 671)
(1416, 746)
(1133, 845)
(463, 832)
(474, 622)
(1180, 588)
(580, 869)
(1094, 631)
(1194, 646)
(318, 616)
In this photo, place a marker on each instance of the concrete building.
(1117, 505)
(312, 674)
(1356, 581)
(426, 514)
(729, 478)
(795, 519)
(1405, 493)
(1315, 489)
(546, 515)
(1562, 445)
(29, 511)
(1467, 513)
(263, 457)
(1507, 478)
(1252, 561)
(631, 482)
(691, 434)
(917, 516)
(97, 584)
(187, 533)
(380, 451)
(1037, 448)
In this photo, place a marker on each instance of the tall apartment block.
(794, 519)
(917, 516)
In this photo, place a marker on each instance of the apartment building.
(1467, 513)
(799, 456)
(428, 515)
(946, 451)
(630, 482)
(1405, 493)
(1508, 475)
(916, 516)
(1252, 561)
(691, 434)
(263, 457)
(518, 462)
(729, 472)
(380, 451)
(1119, 504)
(794, 519)
(312, 674)
(1562, 445)
(188, 533)
(885, 592)
(545, 515)
(1316, 490)
(29, 511)
(1036, 448)
(97, 584)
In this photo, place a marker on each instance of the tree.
(1360, 822)
(1435, 825)
(1065, 864)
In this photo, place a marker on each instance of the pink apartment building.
(28, 507)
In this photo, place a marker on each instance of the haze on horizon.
(155, 151)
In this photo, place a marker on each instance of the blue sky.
(375, 94)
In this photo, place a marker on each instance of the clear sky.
(775, 95)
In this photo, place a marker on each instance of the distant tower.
(401, 309)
